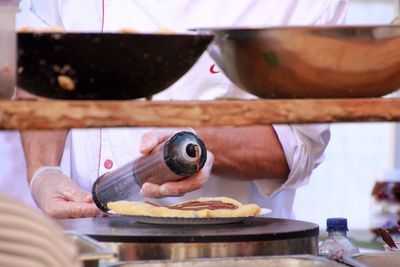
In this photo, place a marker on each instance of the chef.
(254, 164)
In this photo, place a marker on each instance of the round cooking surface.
(125, 229)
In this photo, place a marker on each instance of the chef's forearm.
(42, 148)
(252, 152)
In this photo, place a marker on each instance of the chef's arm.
(43, 148)
(252, 152)
(56, 194)
(275, 158)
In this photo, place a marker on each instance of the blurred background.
(358, 155)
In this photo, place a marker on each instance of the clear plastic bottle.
(184, 154)
(337, 245)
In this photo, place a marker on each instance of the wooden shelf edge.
(25, 115)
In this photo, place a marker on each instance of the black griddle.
(127, 230)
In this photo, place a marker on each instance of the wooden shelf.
(25, 115)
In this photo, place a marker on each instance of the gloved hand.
(152, 139)
(59, 196)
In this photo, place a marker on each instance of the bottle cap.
(180, 155)
(336, 224)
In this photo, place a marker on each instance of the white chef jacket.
(13, 172)
(92, 152)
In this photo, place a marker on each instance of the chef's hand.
(151, 140)
(60, 197)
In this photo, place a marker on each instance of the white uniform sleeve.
(303, 145)
(39, 14)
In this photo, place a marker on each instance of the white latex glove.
(59, 196)
(152, 139)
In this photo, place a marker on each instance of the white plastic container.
(8, 48)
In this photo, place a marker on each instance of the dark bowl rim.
(162, 35)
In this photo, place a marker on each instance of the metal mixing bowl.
(374, 259)
(310, 62)
(104, 66)
(276, 261)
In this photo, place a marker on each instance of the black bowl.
(104, 66)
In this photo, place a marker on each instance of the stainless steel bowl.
(277, 261)
(374, 259)
(90, 252)
(310, 62)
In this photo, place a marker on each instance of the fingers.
(151, 190)
(65, 209)
(173, 188)
(180, 187)
(88, 199)
(81, 210)
(60, 197)
(72, 192)
(151, 139)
